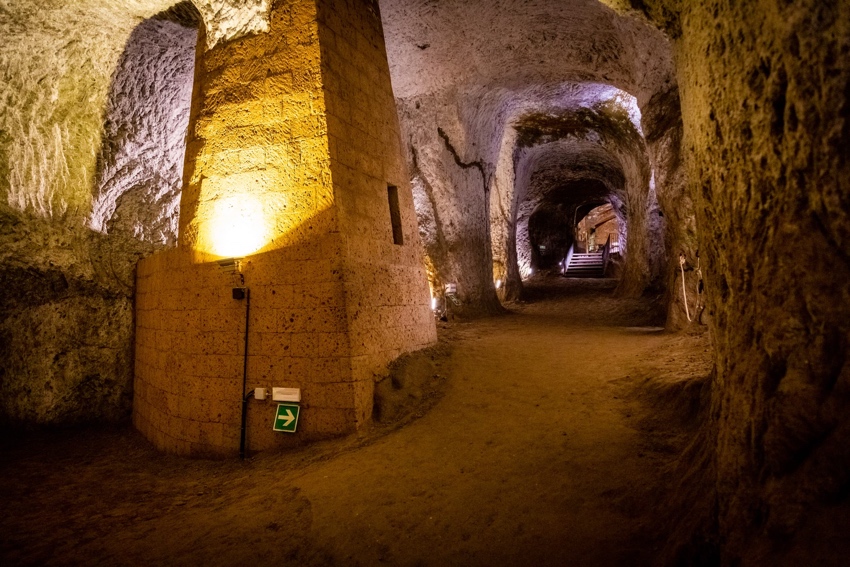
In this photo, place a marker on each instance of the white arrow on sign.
(288, 419)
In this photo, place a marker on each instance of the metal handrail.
(606, 253)
(569, 258)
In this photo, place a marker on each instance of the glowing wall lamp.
(237, 226)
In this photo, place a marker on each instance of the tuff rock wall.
(140, 169)
(66, 315)
(766, 123)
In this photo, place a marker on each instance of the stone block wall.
(190, 348)
(388, 301)
(312, 135)
(188, 367)
(257, 143)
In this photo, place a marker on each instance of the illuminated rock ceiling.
(58, 59)
(513, 44)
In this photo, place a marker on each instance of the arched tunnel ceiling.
(545, 170)
(556, 148)
(434, 46)
(487, 112)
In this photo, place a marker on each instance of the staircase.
(591, 265)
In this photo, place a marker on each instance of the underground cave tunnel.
(144, 144)
(556, 237)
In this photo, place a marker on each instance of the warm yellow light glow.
(237, 226)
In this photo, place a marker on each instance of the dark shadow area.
(66, 324)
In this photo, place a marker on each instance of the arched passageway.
(597, 227)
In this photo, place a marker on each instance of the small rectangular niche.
(395, 214)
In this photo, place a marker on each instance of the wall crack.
(479, 165)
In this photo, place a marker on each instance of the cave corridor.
(365, 210)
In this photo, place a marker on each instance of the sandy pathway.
(531, 458)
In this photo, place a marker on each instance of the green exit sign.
(287, 417)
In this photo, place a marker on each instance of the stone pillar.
(257, 166)
(293, 153)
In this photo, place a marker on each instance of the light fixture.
(237, 227)
(230, 265)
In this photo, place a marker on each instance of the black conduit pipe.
(245, 396)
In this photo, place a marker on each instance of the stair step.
(585, 265)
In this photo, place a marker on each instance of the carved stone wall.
(766, 124)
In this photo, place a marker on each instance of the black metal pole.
(245, 376)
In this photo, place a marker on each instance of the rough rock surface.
(58, 60)
(66, 314)
(229, 19)
(662, 125)
(66, 352)
(766, 118)
(144, 140)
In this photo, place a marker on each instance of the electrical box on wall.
(286, 394)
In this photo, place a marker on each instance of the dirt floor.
(536, 443)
